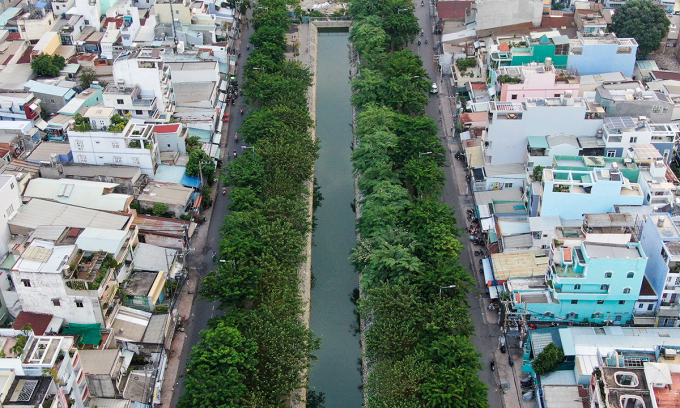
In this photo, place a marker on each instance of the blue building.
(592, 55)
(572, 193)
(597, 283)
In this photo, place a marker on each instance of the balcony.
(144, 102)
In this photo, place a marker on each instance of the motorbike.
(480, 252)
(235, 154)
(214, 256)
(493, 365)
(510, 361)
(422, 3)
(236, 137)
(241, 111)
(224, 191)
(418, 41)
(426, 41)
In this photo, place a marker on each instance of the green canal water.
(336, 372)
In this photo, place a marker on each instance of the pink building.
(518, 83)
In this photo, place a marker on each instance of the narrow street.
(201, 258)
(486, 332)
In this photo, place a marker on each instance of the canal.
(336, 372)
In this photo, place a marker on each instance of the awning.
(537, 142)
(487, 224)
(493, 292)
(89, 333)
(488, 271)
(465, 135)
(41, 124)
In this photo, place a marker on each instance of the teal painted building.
(526, 50)
(596, 283)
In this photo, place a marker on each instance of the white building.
(135, 146)
(38, 282)
(10, 201)
(489, 14)
(510, 124)
(145, 69)
(32, 26)
(90, 10)
(129, 100)
(621, 133)
(657, 181)
(171, 137)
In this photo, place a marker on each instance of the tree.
(548, 360)
(643, 20)
(82, 123)
(47, 65)
(159, 209)
(87, 76)
(538, 173)
(200, 165)
(193, 142)
(221, 362)
(558, 6)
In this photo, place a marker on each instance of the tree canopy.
(548, 360)
(48, 65)
(200, 165)
(643, 20)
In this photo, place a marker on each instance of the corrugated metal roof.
(153, 258)
(513, 227)
(39, 212)
(546, 223)
(81, 193)
(167, 193)
(97, 239)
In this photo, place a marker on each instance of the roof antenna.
(172, 21)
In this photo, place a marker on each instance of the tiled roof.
(38, 322)
(504, 47)
(452, 9)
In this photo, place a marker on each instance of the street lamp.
(258, 69)
(424, 154)
(400, 10)
(446, 287)
(248, 147)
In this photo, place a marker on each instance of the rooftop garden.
(91, 271)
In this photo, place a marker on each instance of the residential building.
(10, 201)
(33, 25)
(109, 40)
(572, 193)
(593, 282)
(533, 81)
(590, 55)
(621, 387)
(175, 196)
(511, 51)
(182, 9)
(655, 106)
(171, 138)
(620, 134)
(485, 14)
(590, 22)
(542, 150)
(152, 258)
(145, 69)
(165, 232)
(19, 106)
(48, 44)
(510, 124)
(660, 237)
(128, 179)
(89, 97)
(62, 6)
(52, 97)
(135, 146)
(43, 153)
(77, 297)
(589, 83)
(145, 290)
(91, 10)
(73, 27)
(128, 100)
(658, 182)
(94, 195)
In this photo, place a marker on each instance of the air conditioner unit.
(669, 354)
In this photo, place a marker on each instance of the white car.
(434, 89)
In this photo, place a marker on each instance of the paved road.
(486, 335)
(202, 310)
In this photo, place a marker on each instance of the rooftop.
(39, 322)
(598, 251)
(27, 391)
(168, 193)
(98, 362)
(43, 151)
(519, 264)
(90, 171)
(39, 212)
(140, 283)
(45, 257)
(153, 258)
(98, 239)
(81, 193)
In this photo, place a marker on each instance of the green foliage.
(200, 165)
(87, 76)
(263, 237)
(82, 124)
(643, 20)
(47, 65)
(159, 209)
(118, 123)
(558, 6)
(548, 360)
(507, 79)
(221, 362)
(465, 63)
(538, 173)
(192, 143)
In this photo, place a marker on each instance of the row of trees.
(416, 317)
(257, 354)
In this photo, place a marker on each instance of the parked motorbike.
(493, 365)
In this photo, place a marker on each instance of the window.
(633, 139)
(513, 97)
(168, 144)
(641, 305)
(79, 303)
(604, 287)
(622, 302)
(630, 275)
(650, 306)
(10, 210)
(176, 11)
(572, 315)
(51, 100)
(626, 290)
(80, 145)
(507, 185)
(577, 287)
(11, 186)
(117, 159)
(607, 275)
(596, 315)
(115, 145)
(26, 282)
(56, 302)
(611, 153)
(657, 109)
(135, 160)
(120, 102)
(557, 95)
(139, 112)
(600, 302)
(82, 158)
(574, 302)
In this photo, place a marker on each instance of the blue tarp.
(194, 182)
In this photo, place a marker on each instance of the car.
(434, 89)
